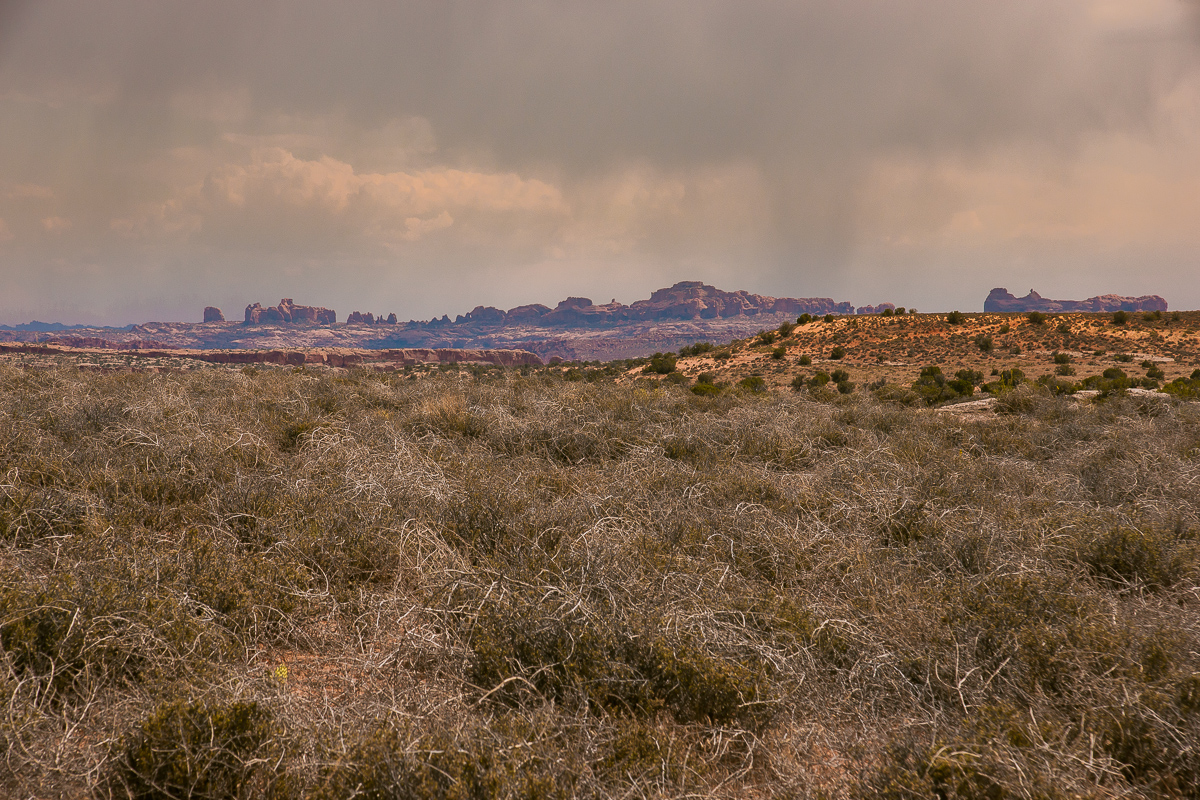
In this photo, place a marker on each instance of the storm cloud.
(427, 157)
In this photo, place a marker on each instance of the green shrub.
(1150, 752)
(1009, 379)
(74, 633)
(887, 312)
(1060, 358)
(828, 318)
(984, 343)
(1112, 381)
(778, 353)
(1120, 317)
(786, 329)
(804, 319)
(1185, 388)
(753, 383)
(955, 318)
(564, 657)
(661, 364)
(806, 361)
(933, 387)
(837, 353)
(1130, 557)
(201, 750)
(1036, 318)
(818, 380)
(1123, 358)
(697, 349)
(946, 771)
(767, 337)
(1056, 385)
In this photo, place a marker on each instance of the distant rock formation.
(1002, 300)
(360, 318)
(289, 312)
(213, 314)
(875, 309)
(687, 300)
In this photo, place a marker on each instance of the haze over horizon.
(424, 158)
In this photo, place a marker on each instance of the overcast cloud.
(423, 158)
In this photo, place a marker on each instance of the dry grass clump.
(276, 583)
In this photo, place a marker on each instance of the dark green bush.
(804, 319)
(1009, 379)
(1036, 318)
(1185, 388)
(754, 383)
(984, 343)
(661, 364)
(567, 658)
(933, 387)
(837, 353)
(778, 353)
(806, 361)
(202, 750)
(767, 337)
(955, 318)
(786, 329)
(946, 771)
(1131, 557)
(1120, 317)
(697, 349)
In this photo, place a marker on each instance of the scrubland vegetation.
(286, 584)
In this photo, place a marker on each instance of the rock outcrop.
(686, 300)
(999, 300)
(879, 309)
(213, 314)
(289, 312)
(367, 318)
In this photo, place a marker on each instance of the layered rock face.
(287, 311)
(999, 300)
(213, 314)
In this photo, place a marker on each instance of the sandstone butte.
(329, 357)
(1001, 300)
(287, 311)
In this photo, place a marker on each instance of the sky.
(423, 158)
